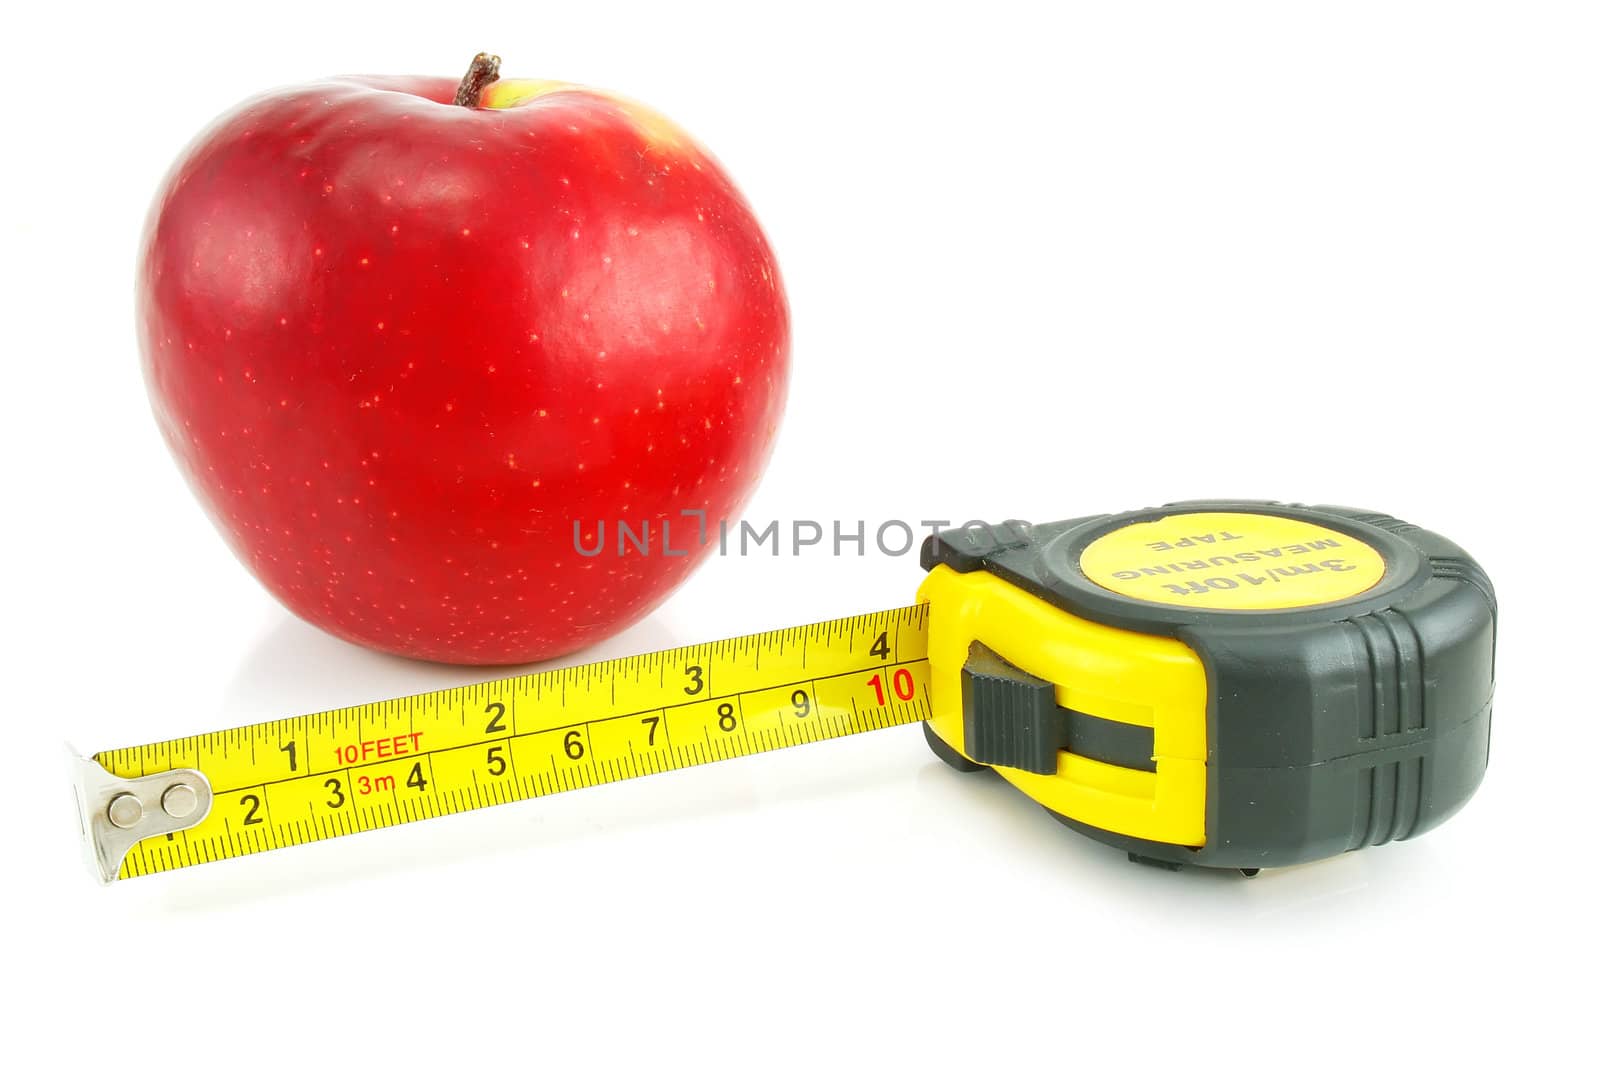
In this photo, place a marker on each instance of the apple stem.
(484, 70)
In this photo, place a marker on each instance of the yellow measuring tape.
(320, 776)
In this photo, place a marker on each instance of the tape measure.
(1214, 683)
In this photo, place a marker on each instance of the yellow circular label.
(1232, 561)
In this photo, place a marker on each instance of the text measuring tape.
(1218, 683)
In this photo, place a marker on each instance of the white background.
(1043, 261)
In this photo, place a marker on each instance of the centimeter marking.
(320, 776)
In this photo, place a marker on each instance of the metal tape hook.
(114, 814)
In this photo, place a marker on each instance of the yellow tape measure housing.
(1142, 680)
(1217, 683)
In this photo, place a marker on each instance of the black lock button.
(1013, 720)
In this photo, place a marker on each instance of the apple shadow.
(296, 669)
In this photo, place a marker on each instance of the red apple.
(401, 334)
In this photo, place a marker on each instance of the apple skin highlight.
(399, 347)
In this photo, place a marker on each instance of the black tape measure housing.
(1329, 726)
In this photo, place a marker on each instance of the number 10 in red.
(905, 687)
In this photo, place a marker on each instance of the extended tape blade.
(325, 775)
